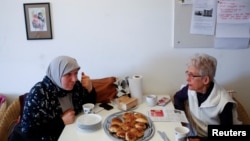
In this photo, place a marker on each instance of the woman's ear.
(206, 80)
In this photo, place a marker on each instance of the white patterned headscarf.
(60, 66)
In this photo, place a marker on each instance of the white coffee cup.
(151, 100)
(181, 133)
(88, 108)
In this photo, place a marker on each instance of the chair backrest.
(9, 119)
(242, 114)
(3, 104)
(3, 108)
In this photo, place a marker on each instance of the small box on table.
(126, 103)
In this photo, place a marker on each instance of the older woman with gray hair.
(208, 102)
(54, 102)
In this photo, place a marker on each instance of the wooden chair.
(3, 108)
(11, 117)
(242, 114)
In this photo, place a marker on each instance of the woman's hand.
(86, 82)
(68, 116)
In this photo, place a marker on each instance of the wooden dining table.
(72, 132)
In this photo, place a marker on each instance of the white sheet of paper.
(231, 43)
(233, 30)
(203, 17)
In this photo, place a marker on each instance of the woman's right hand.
(86, 82)
(68, 116)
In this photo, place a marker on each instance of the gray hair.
(205, 63)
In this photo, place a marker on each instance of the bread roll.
(140, 125)
(142, 119)
(138, 115)
(121, 133)
(116, 121)
(127, 115)
(130, 119)
(130, 136)
(114, 128)
(138, 132)
(125, 126)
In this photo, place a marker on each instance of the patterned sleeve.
(82, 96)
(39, 119)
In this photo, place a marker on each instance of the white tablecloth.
(71, 132)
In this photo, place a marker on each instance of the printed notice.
(233, 24)
(203, 17)
(167, 115)
(233, 11)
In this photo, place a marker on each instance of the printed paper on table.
(167, 115)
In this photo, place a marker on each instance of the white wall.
(109, 38)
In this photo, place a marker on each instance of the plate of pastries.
(129, 126)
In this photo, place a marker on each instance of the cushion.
(105, 89)
(122, 86)
(2, 99)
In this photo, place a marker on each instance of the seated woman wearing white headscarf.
(53, 103)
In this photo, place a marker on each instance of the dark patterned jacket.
(41, 119)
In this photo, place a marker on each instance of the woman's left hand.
(68, 116)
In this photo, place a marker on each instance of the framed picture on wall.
(37, 21)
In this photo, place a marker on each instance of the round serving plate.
(148, 133)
